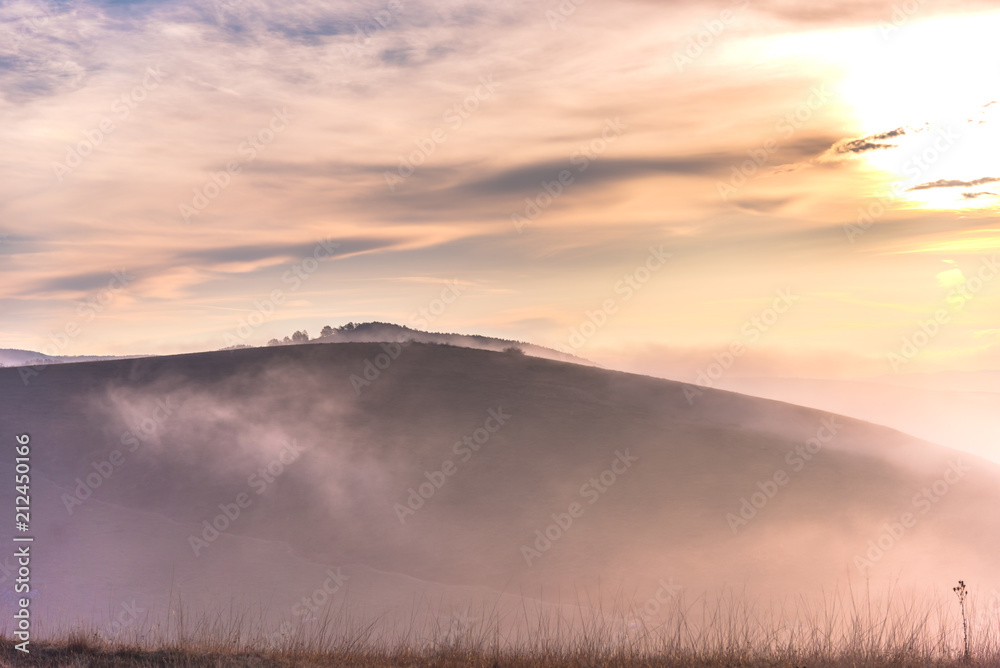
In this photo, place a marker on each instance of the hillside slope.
(460, 472)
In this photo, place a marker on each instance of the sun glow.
(927, 92)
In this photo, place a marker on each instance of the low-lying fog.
(423, 484)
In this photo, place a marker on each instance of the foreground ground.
(81, 654)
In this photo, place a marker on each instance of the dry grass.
(841, 633)
(97, 654)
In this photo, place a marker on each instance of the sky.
(775, 188)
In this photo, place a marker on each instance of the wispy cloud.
(870, 143)
(956, 183)
(367, 84)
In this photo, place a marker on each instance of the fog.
(451, 483)
(956, 410)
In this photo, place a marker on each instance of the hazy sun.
(939, 81)
(932, 86)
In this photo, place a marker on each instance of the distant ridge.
(16, 357)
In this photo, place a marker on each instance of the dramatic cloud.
(207, 148)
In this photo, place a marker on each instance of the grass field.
(728, 631)
(81, 653)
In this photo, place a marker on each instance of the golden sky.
(815, 182)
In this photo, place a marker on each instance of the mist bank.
(430, 472)
(959, 410)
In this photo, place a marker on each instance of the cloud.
(200, 265)
(365, 94)
(839, 13)
(78, 282)
(478, 186)
(527, 179)
(271, 251)
(955, 183)
(46, 49)
(873, 142)
(762, 204)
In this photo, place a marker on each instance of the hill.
(384, 475)
(15, 357)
